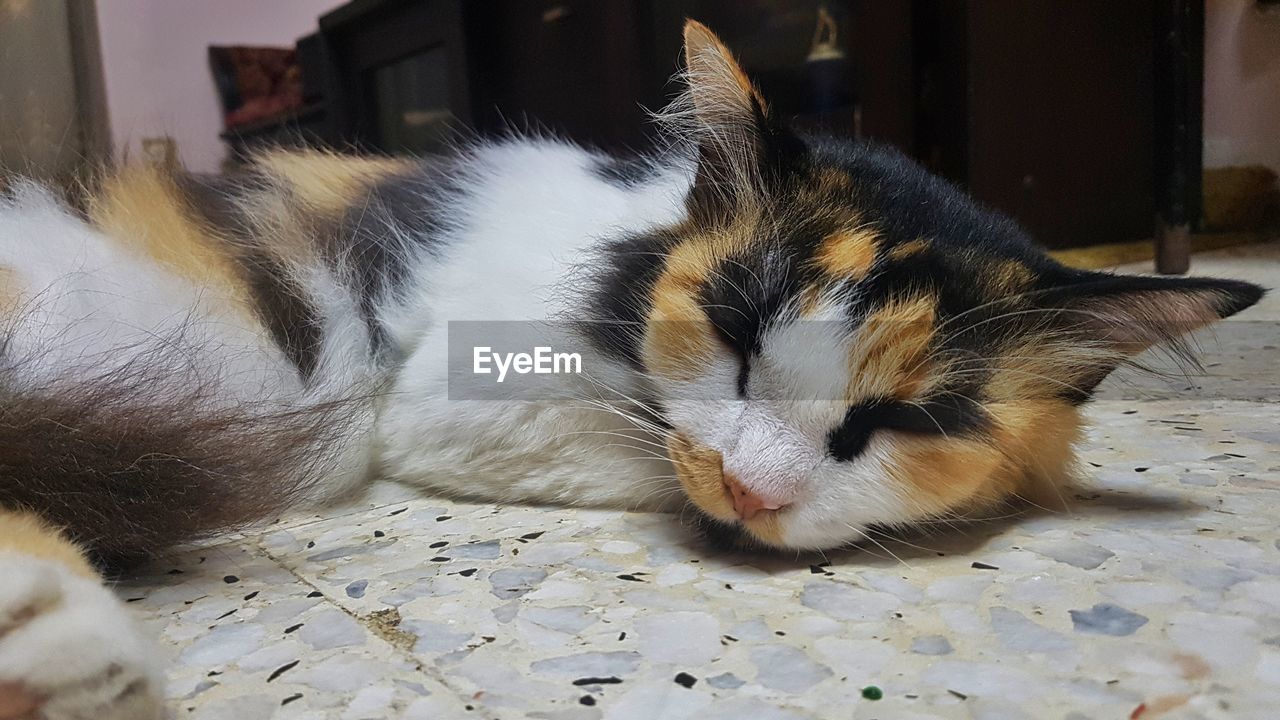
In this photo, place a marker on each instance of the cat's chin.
(754, 537)
(730, 535)
(721, 534)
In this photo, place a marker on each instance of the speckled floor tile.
(1158, 589)
(249, 639)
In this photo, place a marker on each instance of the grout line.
(428, 669)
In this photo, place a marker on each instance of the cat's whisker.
(600, 384)
(647, 454)
(643, 458)
(663, 488)
(639, 422)
(1027, 373)
(878, 544)
(895, 538)
(724, 307)
(608, 433)
(596, 402)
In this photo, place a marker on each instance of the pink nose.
(747, 503)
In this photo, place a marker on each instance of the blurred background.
(1146, 126)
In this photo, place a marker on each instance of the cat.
(795, 337)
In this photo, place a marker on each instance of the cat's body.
(374, 276)
(797, 338)
(537, 213)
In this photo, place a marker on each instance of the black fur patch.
(745, 294)
(280, 302)
(620, 293)
(379, 239)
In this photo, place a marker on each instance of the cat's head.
(840, 340)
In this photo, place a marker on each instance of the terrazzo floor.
(1156, 595)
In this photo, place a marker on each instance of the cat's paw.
(69, 649)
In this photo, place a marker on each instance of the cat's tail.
(139, 409)
(130, 463)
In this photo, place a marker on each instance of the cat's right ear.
(726, 115)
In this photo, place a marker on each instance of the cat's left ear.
(1098, 320)
(1129, 314)
(727, 117)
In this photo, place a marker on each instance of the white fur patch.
(535, 210)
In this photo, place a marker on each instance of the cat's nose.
(746, 503)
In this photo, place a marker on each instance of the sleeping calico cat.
(796, 337)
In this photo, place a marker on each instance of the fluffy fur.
(799, 337)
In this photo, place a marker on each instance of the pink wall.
(1241, 84)
(157, 71)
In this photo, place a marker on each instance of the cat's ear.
(1129, 314)
(725, 114)
(1099, 320)
(723, 97)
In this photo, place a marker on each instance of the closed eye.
(731, 344)
(942, 416)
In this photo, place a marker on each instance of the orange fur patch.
(940, 474)
(1030, 453)
(826, 194)
(1007, 277)
(26, 534)
(1037, 438)
(679, 338)
(908, 249)
(326, 182)
(889, 357)
(847, 254)
(141, 209)
(12, 291)
(701, 473)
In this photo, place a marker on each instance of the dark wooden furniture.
(1080, 118)
(579, 68)
(1179, 130)
(400, 72)
(1044, 110)
(584, 69)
